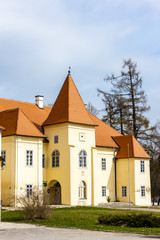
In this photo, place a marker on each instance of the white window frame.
(143, 191)
(103, 163)
(104, 194)
(82, 159)
(124, 191)
(55, 159)
(29, 190)
(142, 166)
(43, 160)
(3, 155)
(82, 190)
(56, 139)
(29, 158)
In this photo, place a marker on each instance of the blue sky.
(40, 39)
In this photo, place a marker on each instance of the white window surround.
(29, 158)
(82, 190)
(124, 191)
(143, 191)
(103, 191)
(29, 190)
(142, 166)
(82, 159)
(103, 163)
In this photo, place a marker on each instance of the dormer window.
(56, 139)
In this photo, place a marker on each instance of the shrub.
(130, 220)
(37, 206)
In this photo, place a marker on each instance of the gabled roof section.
(104, 133)
(135, 149)
(69, 106)
(17, 123)
(31, 110)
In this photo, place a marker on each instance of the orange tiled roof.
(104, 133)
(135, 149)
(31, 110)
(69, 106)
(17, 123)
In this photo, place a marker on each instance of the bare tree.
(129, 102)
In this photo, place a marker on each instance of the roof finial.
(69, 70)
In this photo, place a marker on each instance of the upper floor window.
(124, 191)
(143, 191)
(103, 191)
(43, 161)
(29, 190)
(55, 158)
(82, 190)
(29, 158)
(3, 155)
(142, 167)
(56, 139)
(82, 159)
(103, 163)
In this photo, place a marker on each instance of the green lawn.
(80, 217)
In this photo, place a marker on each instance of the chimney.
(39, 101)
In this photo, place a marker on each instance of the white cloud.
(40, 39)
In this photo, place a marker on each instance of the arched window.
(55, 158)
(82, 159)
(82, 190)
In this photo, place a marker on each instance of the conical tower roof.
(69, 106)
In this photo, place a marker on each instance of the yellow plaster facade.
(68, 162)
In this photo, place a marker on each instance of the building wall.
(62, 173)
(142, 179)
(8, 173)
(123, 179)
(81, 137)
(16, 174)
(103, 177)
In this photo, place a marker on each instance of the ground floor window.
(143, 191)
(3, 155)
(124, 191)
(29, 190)
(103, 191)
(82, 190)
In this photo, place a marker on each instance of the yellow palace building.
(76, 157)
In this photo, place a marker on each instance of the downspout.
(115, 175)
(115, 179)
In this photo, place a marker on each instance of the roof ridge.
(104, 123)
(132, 141)
(12, 100)
(18, 110)
(68, 96)
(82, 100)
(29, 119)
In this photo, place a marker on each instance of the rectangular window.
(103, 163)
(29, 191)
(3, 155)
(56, 139)
(43, 161)
(142, 167)
(124, 191)
(29, 158)
(103, 191)
(143, 191)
